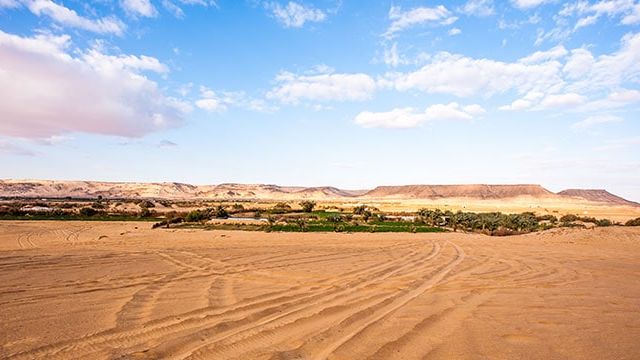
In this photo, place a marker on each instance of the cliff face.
(478, 191)
(597, 195)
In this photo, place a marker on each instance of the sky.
(348, 93)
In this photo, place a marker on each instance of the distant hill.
(231, 191)
(477, 191)
(597, 195)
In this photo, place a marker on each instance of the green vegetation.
(307, 205)
(283, 217)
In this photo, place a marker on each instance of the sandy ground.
(122, 291)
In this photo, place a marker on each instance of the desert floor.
(121, 290)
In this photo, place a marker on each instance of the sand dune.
(117, 290)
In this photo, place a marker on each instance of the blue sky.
(346, 93)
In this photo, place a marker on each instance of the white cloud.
(48, 89)
(633, 17)
(542, 56)
(516, 105)
(478, 8)
(408, 117)
(464, 76)
(528, 4)
(607, 71)
(9, 3)
(293, 88)
(589, 13)
(625, 96)
(139, 7)
(553, 78)
(217, 102)
(616, 99)
(173, 8)
(111, 63)
(401, 20)
(211, 105)
(455, 31)
(67, 17)
(295, 14)
(578, 64)
(596, 120)
(562, 100)
(391, 56)
(221, 101)
(474, 109)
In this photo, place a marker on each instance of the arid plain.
(121, 290)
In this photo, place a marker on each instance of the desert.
(320, 180)
(121, 290)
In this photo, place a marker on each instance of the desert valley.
(88, 287)
(320, 180)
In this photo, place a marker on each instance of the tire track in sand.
(193, 320)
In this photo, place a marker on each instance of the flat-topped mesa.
(597, 195)
(477, 191)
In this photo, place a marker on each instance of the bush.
(168, 221)
(220, 212)
(360, 209)
(237, 207)
(603, 222)
(634, 222)
(552, 219)
(87, 211)
(197, 216)
(144, 212)
(588, 219)
(334, 218)
(307, 205)
(568, 218)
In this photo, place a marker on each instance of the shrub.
(552, 219)
(334, 218)
(588, 219)
(87, 211)
(144, 212)
(360, 209)
(307, 205)
(634, 222)
(568, 218)
(237, 207)
(282, 205)
(168, 221)
(220, 212)
(197, 216)
(301, 224)
(603, 222)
